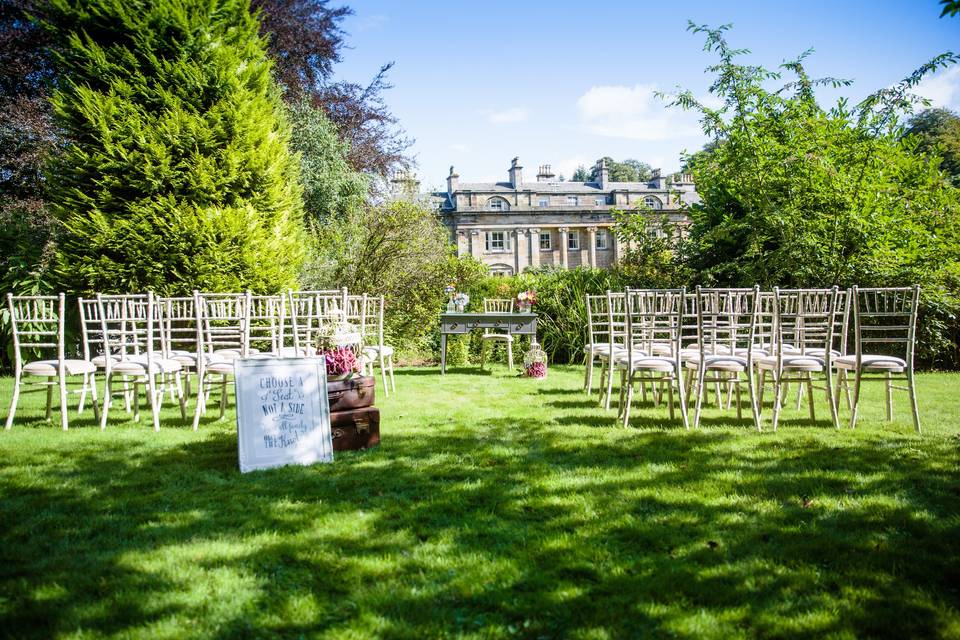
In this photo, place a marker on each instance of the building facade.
(513, 225)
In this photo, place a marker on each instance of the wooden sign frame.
(283, 414)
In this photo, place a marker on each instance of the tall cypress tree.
(179, 174)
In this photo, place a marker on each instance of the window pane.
(572, 200)
(573, 240)
(601, 239)
(544, 202)
(544, 240)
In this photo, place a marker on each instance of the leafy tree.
(938, 132)
(330, 185)
(580, 175)
(626, 171)
(179, 174)
(398, 249)
(641, 170)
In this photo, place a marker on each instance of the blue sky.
(564, 83)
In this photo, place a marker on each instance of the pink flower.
(341, 361)
(537, 370)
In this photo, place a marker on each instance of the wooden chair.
(225, 329)
(181, 323)
(38, 325)
(267, 321)
(598, 343)
(654, 317)
(884, 330)
(497, 305)
(309, 311)
(132, 327)
(375, 350)
(616, 334)
(725, 348)
(804, 324)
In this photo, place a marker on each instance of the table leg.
(443, 353)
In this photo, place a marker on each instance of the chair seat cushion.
(374, 350)
(872, 362)
(190, 359)
(101, 361)
(661, 348)
(647, 363)
(232, 354)
(498, 336)
(794, 363)
(220, 368)
(820, 352)
(137, 366)
(619, 356)
(597, 349)
(719, 362)
(52, 367)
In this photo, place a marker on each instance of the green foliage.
(330, 185)
(398, 249)
(179, 175)
(580, 175)
(938, 134)
(950, 8)
(627, 171)
(652, 249)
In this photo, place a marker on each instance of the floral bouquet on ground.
(526, 300)
(341, 362)
(334, 345)
(535, 362)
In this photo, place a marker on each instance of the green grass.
(495, 507)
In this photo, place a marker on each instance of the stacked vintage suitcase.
(354, 420)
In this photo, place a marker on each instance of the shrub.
(179, 175)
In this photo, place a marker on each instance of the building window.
(573, 240)
(601, 239)
(652, 203)
(495, 241)
(600, 201)
(497, 204)
(544, 202)
(545, 244)
(573, 201)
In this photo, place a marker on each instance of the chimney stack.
(453, 181)
(603, 173)
(545, 174)
(659, 181)
(516, 173)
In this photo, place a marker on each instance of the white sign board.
(283, 416)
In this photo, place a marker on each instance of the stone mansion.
(512, 225)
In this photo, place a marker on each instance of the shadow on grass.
(512, 525)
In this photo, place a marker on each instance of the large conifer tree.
(179, 174)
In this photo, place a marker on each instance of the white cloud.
(619, 111)
(462, 148)
(508, 116)
(942, 89)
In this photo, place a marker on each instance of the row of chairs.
(162, 345)
(737, 340)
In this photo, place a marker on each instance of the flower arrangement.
(341, 362)
(535, 362)
(526, 300)
(460, 301)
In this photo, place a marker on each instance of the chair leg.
(49, 399)
(856, 399)
(509, 355)
(223, 397)
(810, 401)
(889, 385)
(393, 382)
(754, 404)
(912, 390)
(609, 384)
(94, 398)
(602, 387)
(107, 398)
(383, 377)
(13, 402)
(670, 399)
(628, 399)
(779, 386)
(832, 399)
(201, 403)
(683, 398)
(588, 375)
(136, 401)
(739, 409)
(154, 400)
(701, 374)
(83, 394)
(180, 396)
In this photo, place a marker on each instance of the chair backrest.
(181, 323)
(616, 319)
(597, 326)
(225, 322)
(498, 305)
(725, 321)
(130, 326)
(311, 310)
(373, 318)
(356, 314)
(37, 323)
(654, 316)
(805, 320)
(765, 332)
(266, 320)
(885, 321)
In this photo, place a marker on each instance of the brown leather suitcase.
(355, 429)
(355, 393)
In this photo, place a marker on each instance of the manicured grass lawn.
(495, 507)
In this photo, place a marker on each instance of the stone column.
(535, 248)
(563, 246)
(592, 248)
(475, 243)
(614, 246)
(519, 250)
(463, 243)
